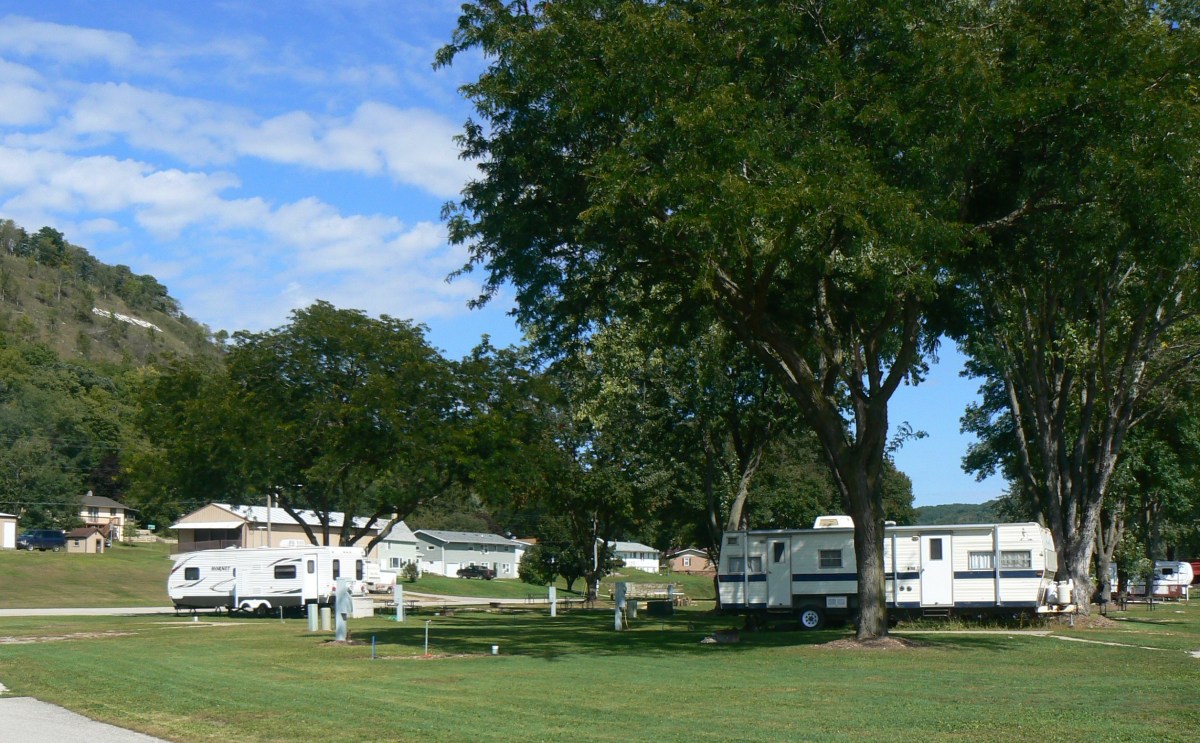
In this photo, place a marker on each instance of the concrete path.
(26, 720)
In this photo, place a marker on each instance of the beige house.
(220, 525)
(86, 539)
(690, 560)
(105, 514)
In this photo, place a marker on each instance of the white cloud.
(30, 38)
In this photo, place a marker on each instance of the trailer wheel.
(261, 610)
(811, 617)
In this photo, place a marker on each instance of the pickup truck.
(42, 539)
(476, 571)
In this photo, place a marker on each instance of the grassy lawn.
(125, 575)
(575, 678)
(136, 575)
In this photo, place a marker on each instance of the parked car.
(42, 539)
(476, 571)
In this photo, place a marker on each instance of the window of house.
(830, 558)
(687, 562)
(981, 561)
(394, 562)
(191, 573)
(1016, 559)
(285, 571)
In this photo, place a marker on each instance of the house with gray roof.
(444, 552)
(220, 525)
(397, 548)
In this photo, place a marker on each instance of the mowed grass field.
(136, 575)
(575, 678)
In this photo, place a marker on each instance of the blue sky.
(257, 156)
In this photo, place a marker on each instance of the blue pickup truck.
(42, 539)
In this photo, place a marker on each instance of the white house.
(444, 552)
(397, 548)
(636, 555)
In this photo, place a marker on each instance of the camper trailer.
(1171, 580)
(262, 579)
(929, 571)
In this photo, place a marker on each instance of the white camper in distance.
(261, 579)
(929, 570)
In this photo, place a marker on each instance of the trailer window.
(935, 549)
(358, 569)
(285, 571)
(191, 573)
(830, 558)
(337, 569)
(312, 567)
(755, 563)
(981, 561)
(1016, 559)
(778, 551)
(731, 540)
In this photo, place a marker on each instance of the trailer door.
(937, 572)
(779, 573)
(310, 579)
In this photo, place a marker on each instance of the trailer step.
(936, 612)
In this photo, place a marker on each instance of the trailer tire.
(261, 610)
(811, 618)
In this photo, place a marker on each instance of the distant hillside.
(57, 294)
(957, 513)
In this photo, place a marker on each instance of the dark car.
(42, 539)
(476, 571)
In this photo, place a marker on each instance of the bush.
(410, 572)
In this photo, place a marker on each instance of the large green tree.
(787, 168)
(1092, 260)
(336, 411)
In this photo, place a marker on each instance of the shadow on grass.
(579, 632)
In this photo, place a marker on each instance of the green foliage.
(959, 513)
(68, 283)
(410, 572)
(536, 567)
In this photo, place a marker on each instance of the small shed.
(8, 531)
(87, 539)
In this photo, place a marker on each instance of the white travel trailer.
(261, 579)
(1171, 580)
(929, 571)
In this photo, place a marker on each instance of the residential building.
(690, 560)
(105, 514)
(444, 552)
(397, 548)
(636, 555)
(220, 525)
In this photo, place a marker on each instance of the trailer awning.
(208, 525)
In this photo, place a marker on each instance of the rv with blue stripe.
(943, 570)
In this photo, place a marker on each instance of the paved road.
(26, 720)
(88, 611)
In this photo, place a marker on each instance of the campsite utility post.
(398, 595)
(345, 607)
(619, 612)
(553, 598)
